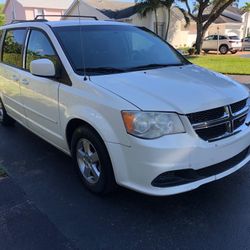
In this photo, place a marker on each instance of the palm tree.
(146, 6)
(246, 7)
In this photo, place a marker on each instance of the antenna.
(81, 41)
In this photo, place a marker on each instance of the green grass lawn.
(233, 65)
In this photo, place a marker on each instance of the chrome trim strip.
(211, 123)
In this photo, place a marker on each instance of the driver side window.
(39, 47)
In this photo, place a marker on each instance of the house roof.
(108, 4)
(130, 11)
(120, 14)
(50, 4)
(224, 19)
(229, 15)
(87, 10)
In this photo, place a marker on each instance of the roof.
(63, 23)
(130, 11)
(82, 22)
(85, 9)
(50, 4)
(109, 4)
(224, 19)
(229, 15)
(120, 14)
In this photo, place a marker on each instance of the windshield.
(115, 49)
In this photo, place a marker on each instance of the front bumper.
(137, 166)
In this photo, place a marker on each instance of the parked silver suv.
(226, 44)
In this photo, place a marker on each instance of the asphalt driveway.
(216, 216)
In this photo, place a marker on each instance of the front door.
(40, 94)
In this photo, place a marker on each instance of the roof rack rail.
(43, 16)
(26, 21)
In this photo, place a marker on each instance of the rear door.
(40, 94)
(207, 43)
(11, 69)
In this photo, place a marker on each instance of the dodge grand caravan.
(126, 106)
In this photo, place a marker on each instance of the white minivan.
(126, 106)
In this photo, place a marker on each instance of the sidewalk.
(22, 225)
(241, 78)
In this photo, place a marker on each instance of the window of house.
(39, 12)
(13, 46)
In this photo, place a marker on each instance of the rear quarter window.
(13, 47)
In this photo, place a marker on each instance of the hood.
(184, 89)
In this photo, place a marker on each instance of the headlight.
(151, 125)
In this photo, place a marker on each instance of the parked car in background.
(246, 43)
(226, 44)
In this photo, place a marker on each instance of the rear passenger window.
(13, 46)
(39, 47)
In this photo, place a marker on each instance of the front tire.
(92, 161)
(5, 119)
(223, 49)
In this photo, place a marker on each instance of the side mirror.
(43, 67)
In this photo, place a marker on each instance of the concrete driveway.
(216, 216)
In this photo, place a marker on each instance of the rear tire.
(5, 119)
(92, 161)
(224, 49)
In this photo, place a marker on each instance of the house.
(29, 9)
(178, 34)
(95, 8)
(246, 24)
(82, 8)
(228, 23)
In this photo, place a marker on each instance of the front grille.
(207, 115)
(238, 106)
(218, 123)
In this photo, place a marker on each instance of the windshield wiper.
(153, 66)
(108, 70)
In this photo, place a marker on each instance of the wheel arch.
(224, 44)
(75, 123)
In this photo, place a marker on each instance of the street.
(216, 216)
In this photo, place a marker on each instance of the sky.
(242, 2)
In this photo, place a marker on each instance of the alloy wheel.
(88, 161)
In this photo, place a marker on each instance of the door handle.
(15, 78)
(25, 82)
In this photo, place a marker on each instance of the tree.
(246, 7)
(146, 6)
(2, 17)
(198, 12)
